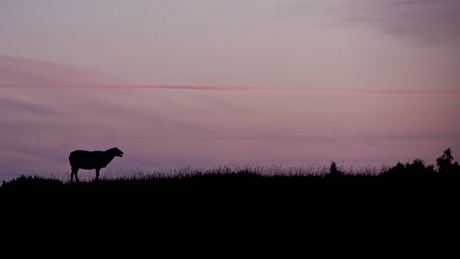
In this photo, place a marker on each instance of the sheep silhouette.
(91, 160)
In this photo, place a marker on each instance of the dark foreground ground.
(235, 210)
(404, 211)
(214, 196)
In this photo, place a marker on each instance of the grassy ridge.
(410, 207)
(228, 206)
(245, 182)
(261, 190)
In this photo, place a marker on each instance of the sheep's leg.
(74, 172)
(97, 174)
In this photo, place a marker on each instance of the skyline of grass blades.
(229, 196)
(415, 169)
(265, 171)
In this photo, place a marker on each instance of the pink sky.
(205, 83)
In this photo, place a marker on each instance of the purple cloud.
(244, 89)
(427, 21)
(28, 72)
(17, 105)
(424, 21)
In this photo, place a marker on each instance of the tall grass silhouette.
(411, 170)
(251, 202)
(239, 181)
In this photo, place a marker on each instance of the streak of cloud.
(20, 72)
(17, 105)
(424, 21)
(427, 21)
(242, 89)
(33, 73)
(248, 89)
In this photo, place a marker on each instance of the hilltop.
(265, 183)
(403, 203)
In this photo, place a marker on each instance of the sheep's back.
(89, 159)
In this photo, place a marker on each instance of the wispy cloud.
(427, 21)
(242, 89)
(34, 73)
(20, 72)
(248, 89)
(17, 105)
(424, 21)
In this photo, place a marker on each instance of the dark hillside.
(396, 184)
(409, 200)
(229, 211)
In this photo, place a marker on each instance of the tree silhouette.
(444, 163)
(415, 170)
(333, 171)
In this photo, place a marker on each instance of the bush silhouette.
(333, 171)
(445, 166)
(32, 184)
(416, 169)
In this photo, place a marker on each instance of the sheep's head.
(116, 152)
